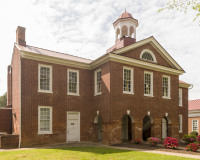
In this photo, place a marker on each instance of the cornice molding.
(184, 85)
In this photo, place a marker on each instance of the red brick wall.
(184, 111)
(16, 89)
(9, 86)
(190, 124)
(6, 120)
(9, 141)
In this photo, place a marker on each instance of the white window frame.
(95, 82)
(51, 120)
(169, 87)
(69, 93)
(180, 91)
(51, 80)
(131, 69)
(181, 123)
(151, 90)
(197, 125)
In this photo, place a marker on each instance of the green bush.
(189, 138)
(195, 133)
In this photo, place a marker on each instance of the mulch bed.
(159, 147)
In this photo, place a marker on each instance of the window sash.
(45, 78)
(127, 80)
(166, 86)
(73, 81)
(180, 97)
(195, 125)
(147, 84)
(98, 81)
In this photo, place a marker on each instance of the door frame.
(78, 130)
(166, 128)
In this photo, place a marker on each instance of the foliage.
(198, 139)
(195, 133)
(137, 141)
(170, 142)
(189, 138)
(192, 147)
(182, 5)
(83, 153)
(3, 100)
(153, 141)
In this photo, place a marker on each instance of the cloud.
(84, 28)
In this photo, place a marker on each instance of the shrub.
(170, 142)
(194, 133)
(189, 138)
(137, 141)
(198, 139)
(192, 147)
(153, 141)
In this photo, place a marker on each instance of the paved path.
(91, 144)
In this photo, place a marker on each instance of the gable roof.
(194, 104)
(53, 53)
(184, 84)
(156, 45)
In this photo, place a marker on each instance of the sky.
(84, 28)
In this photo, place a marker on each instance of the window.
(180, 97)
(44, 120)
(195, 125)
(180, 123)
(148, 83)
(98, 82)
(45, 78)
(127, 80)
(73, 82)
(166, 87)
(148, 55)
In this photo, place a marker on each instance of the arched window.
(148, 55)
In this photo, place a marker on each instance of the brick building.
(132, 91)
(194, 115)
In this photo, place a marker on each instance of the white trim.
(185, 85)
(78, 125)
(169, 87)
(150, 52)
(51, 120)
(101, 60)
(77, 91)
(180, 91)
(181, 123)
(51, 80)
(151, 89)
(95, 82)
(197, 125)
(132, 79)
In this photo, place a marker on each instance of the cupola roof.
(125, 15)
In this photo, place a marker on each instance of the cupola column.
(116, 35)
(120, 32)
(135, 33)
(129, 31)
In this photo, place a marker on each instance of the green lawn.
(84, 153)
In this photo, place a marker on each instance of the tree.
(3, 100)
(182, 5)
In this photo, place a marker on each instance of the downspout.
(20, 99)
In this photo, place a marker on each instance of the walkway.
(91, 144)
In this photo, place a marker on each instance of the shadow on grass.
(94, 150)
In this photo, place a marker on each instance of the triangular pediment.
(163, 56)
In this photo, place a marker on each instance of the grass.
(83, 153)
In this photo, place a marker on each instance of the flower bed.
(170, 142)
(192, 147)
(153, 141)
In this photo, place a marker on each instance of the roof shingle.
(194, 104)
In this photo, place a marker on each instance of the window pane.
(147, 83)
(98, 81)
(127, 80)
(72, 82)
(44, 78)
(44, 119)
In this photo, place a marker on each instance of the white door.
(164, 128)
(73, 127)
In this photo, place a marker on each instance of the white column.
(116, 36)
(135, 33)
(129, 31)
(120, 33)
